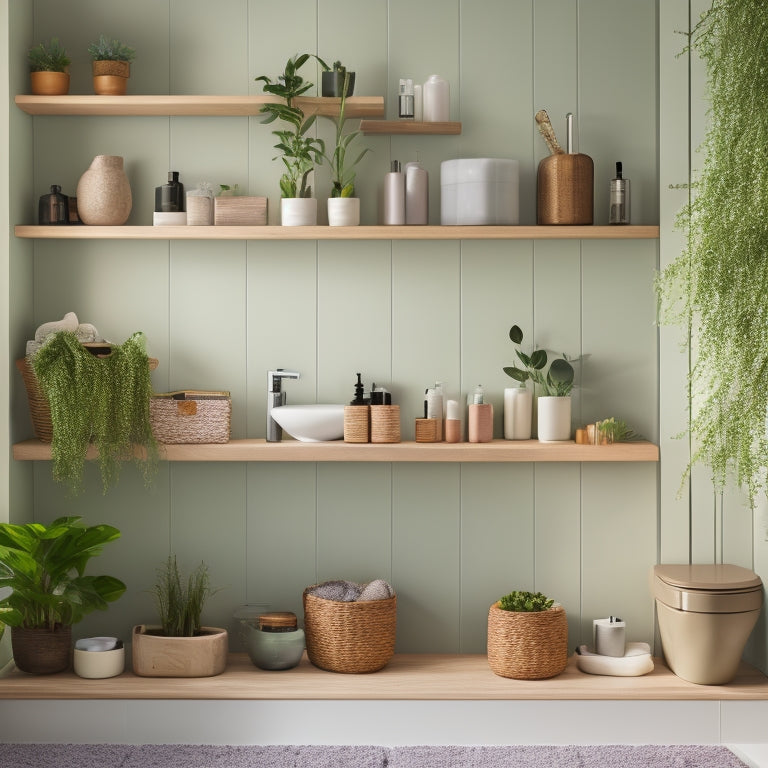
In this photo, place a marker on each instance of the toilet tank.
(484, 191)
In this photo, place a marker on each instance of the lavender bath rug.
(211, 756)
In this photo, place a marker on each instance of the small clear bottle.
(618, 212)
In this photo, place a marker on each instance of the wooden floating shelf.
(409, 127)
(292, 450)
(217, 106)
(418, 676)
(522, 232)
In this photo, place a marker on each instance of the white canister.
(554, 419)
(437, 100)
(518, 410)
(610, 636)
(416, 194)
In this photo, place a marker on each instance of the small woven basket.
(39, 409)
(191, 416)
(354, 637)
(527, 645)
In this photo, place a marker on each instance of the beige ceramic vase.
(103, 193)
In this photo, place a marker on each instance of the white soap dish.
(635, 662)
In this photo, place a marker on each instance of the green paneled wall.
(451, 538)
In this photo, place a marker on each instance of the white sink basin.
(314, 423)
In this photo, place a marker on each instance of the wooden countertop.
(407, 676)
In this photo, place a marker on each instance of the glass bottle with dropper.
(619, 198)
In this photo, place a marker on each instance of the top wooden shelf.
(221, 106)
(403, 127)
(521, 232)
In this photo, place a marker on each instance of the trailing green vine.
(104, 400)
(718, 287)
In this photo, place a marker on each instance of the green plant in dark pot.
(527, 636)
(44, 566)
(717, 288)
(337, 81)
(299, 151)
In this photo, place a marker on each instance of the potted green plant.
(180, 646)
(49, 68)
(343, 206)
(555, 384)
(716, 289)
(299, 152)
(337, 81)
(44, 566)
(527, 636)
(111, 63)
(97, 394)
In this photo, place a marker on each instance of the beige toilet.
(706, 613)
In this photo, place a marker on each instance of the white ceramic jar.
(437, 100)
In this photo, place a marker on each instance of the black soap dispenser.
(170, 197)
(357, 416)
(53, 207)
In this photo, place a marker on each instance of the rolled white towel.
(636, 661)
(96, 644)
(86, 332)
(67, 323)
(376, 590)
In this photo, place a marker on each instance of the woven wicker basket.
(527, 645)
(191, 416)
(349, 637)
(39, 409)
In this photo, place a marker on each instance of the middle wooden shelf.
(292, 450)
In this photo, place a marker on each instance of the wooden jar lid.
(278, 621)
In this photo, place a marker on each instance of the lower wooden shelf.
(292, 450)
(458, 677)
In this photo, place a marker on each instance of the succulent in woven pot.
(111, 63)
(527, 636)
(349, 637)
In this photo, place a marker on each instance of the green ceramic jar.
(277, 643)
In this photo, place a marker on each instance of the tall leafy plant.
(299, 151)
(45, 568)
(717, 287)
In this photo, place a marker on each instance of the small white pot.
(554, 419)
(298, 211)
(518, 410)
(99, 664)
(344, 211)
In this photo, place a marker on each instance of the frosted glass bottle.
(437, 100)
(518, 410)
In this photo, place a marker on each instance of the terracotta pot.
(42, 651)
(527, 645)
(110, 78)
(155, 655)
(49, 83)
(103, 192)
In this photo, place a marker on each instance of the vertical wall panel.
(497, 550)
(426, 556)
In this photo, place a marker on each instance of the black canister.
(53, 207)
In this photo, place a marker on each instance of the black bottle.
(53, 207)
(170, 197)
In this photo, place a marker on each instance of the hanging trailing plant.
(104, 400)
(718, 287)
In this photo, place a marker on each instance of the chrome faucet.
(276, 397)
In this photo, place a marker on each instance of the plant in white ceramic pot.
(181, 646)
(555, 384)
(299, 151)
(343, 206)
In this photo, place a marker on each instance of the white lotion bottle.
(437, 100)
(518, 411)
(416, 194)
(418, 103)
(394, 196)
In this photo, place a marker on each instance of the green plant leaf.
(516, 334)
(517, 374)
(538, 359)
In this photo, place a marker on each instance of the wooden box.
(242, 211)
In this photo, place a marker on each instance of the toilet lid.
(720, 576)
(718, 588)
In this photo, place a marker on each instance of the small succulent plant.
(48, 57)
(110, 50)
(525, 602)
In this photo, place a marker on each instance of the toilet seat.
(716, 588)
